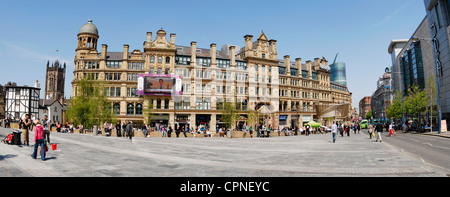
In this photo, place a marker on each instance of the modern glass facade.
(411, 65)
(338, 73)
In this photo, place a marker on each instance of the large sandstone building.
(287, 93)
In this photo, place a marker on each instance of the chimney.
(309, 68)
(316, 61)
(248, 42)
(287, 64)
(172, 40)
(37, 85)
(104, 51)
(213, 55)
(298, 64)
(125, 51)
(232, 56)
(193, 53)
(273, 48)
(149, 37)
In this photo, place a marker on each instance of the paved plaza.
(85, 155)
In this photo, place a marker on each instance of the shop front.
(283, 121)
(159, 120)
(183, 121)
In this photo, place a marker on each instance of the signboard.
(444, 126)
(283, 117)
(161, 85)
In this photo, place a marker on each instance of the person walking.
(390, 130)
(39, 140)
(177, 130)
(370, 131)
(334, 131)
(184, 131)
(169, 132)
(307, 128)
(26, 127)
(46, 129)
(379, 129)
(347, 130)
(341, 129)
(129, 129)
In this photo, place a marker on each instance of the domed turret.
(88, 37)
(89, 28)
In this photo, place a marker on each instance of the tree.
(416, 101)
(148, 112)
(369, 115)
(253, 118)
(230, 114)
(89, 106)
(395, 110)
(432, 95)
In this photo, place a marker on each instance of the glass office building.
(411, 65)
(338, 73)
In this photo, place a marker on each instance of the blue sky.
(32, 31)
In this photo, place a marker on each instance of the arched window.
(152, 59)
(158, 104)
(207, 104)
(130, 109)
(116, 108)
(167, 59)
(166, 104)
(139, 109)
(160, 59)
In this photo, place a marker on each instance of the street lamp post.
(437, 65)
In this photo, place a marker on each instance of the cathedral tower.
(54, 81)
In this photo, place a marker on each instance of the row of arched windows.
(160, 59)
(131, 109)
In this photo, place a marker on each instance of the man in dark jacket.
(379, 129)
(129, 129)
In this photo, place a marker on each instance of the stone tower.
(54, 81)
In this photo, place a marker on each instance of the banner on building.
(161, 85)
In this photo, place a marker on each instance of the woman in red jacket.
(39, 140)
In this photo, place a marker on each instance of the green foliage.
(148, 112)
(369, 115)
(90, 106)
(230, 115)
(396, 108)
(416, 101)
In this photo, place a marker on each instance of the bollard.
(229, 133)
(94, 130)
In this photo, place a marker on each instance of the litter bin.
(94, 130)
(16, 140)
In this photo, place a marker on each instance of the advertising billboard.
(160, 85)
